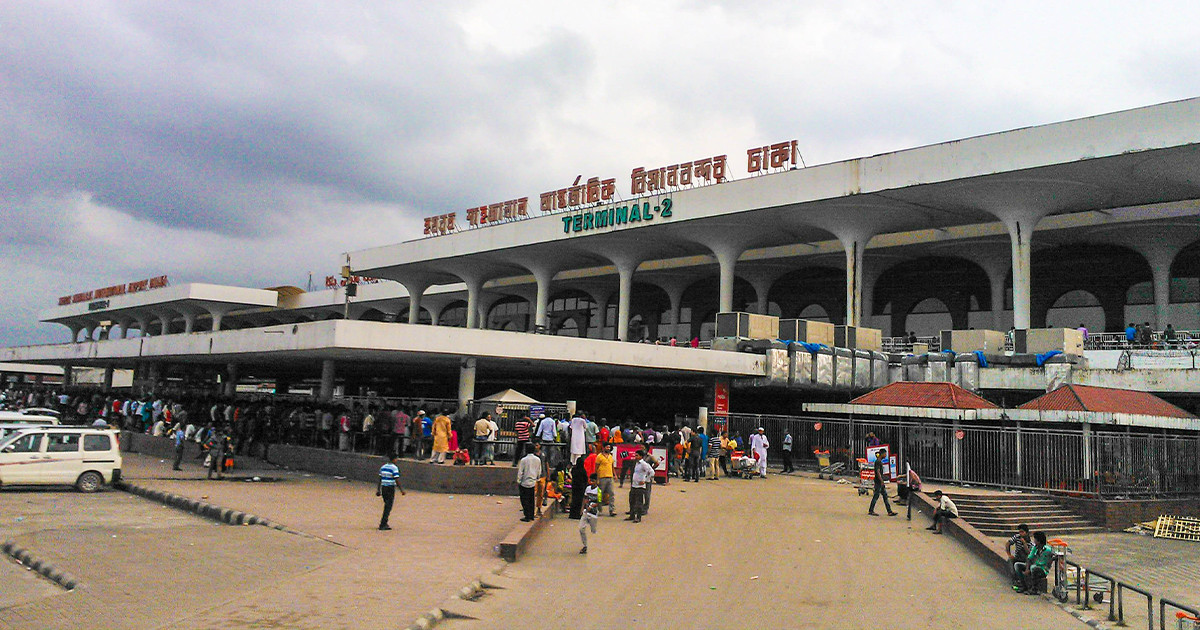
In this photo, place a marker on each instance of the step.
(1003, 501)
(1014, 513)
(1052, 532)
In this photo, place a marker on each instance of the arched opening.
(928, 318)
(959, 286)
(796, 291)
(570, 313)
(422, 318)
(1184, 312)
(815, 312)
(704, 296)
(454, 315)
(1074, 308)
(1108, 272)
(509, 313)
(373, 315)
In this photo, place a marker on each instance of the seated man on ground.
(1035, 569)
(1017, 548)
(945, 510)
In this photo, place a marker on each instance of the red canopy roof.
(1105, 399)
(940, 395)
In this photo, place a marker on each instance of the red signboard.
(721, 397)
(157, 282)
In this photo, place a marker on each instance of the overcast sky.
(250, 143)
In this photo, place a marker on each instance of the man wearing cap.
(389, 481)
(759, 444)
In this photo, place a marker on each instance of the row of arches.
(1072, 284)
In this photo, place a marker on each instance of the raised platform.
(414, 475)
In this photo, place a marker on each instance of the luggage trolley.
(1062, 581)
(866, 477)
(828, 468)
(1186, 621)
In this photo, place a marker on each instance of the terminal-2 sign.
(616, 216)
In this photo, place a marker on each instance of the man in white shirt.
(759, 444)
(945, 510)
(528, 472)
(578, 437)
(643, 475)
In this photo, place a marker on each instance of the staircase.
(999, 515)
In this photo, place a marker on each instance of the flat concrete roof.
(192, 297)
(1143, 156)
(402, 344)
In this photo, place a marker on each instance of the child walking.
(591, 511)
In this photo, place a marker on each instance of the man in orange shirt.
(604, 476)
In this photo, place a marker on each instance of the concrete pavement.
(786, 552)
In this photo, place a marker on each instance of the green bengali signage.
(616, 216)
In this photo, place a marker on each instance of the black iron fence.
(1069, 461)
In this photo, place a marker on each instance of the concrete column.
(624, 294)
(762, 289)
(108, 378)
(1020, 231)
(466, 382)
(164, 324)
(143, 326)
(1162, 295)
(189, 323)
(416, 289)
(473, 289)
(124, 324)
(155, 374)
(854, 247)
(328, 374)
(75, 328)
(231, 379)
(541, 317)
(727, 259)
(702, 420)
(68, 375)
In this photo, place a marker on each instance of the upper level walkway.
(349, 340)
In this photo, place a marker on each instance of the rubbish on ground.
(339, 477)
(753, 577)
(1145, 528)
(1178, 528)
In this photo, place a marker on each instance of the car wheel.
(89, 482)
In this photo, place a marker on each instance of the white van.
(21, 416)
(44, 455)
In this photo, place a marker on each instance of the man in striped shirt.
(714, 454)
(524, 429)
(389, 481)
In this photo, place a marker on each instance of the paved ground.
(1167, 568)
(148, 566)
(787, 552)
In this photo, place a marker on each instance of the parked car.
(58, 456)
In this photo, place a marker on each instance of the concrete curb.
(520, 536)
(47, 570)
(453, 607)
(199, 508)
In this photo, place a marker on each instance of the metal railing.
(1058, 461)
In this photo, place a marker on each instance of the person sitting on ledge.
(945, 510)
(1035, 569)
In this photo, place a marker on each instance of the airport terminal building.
(1093, 221)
